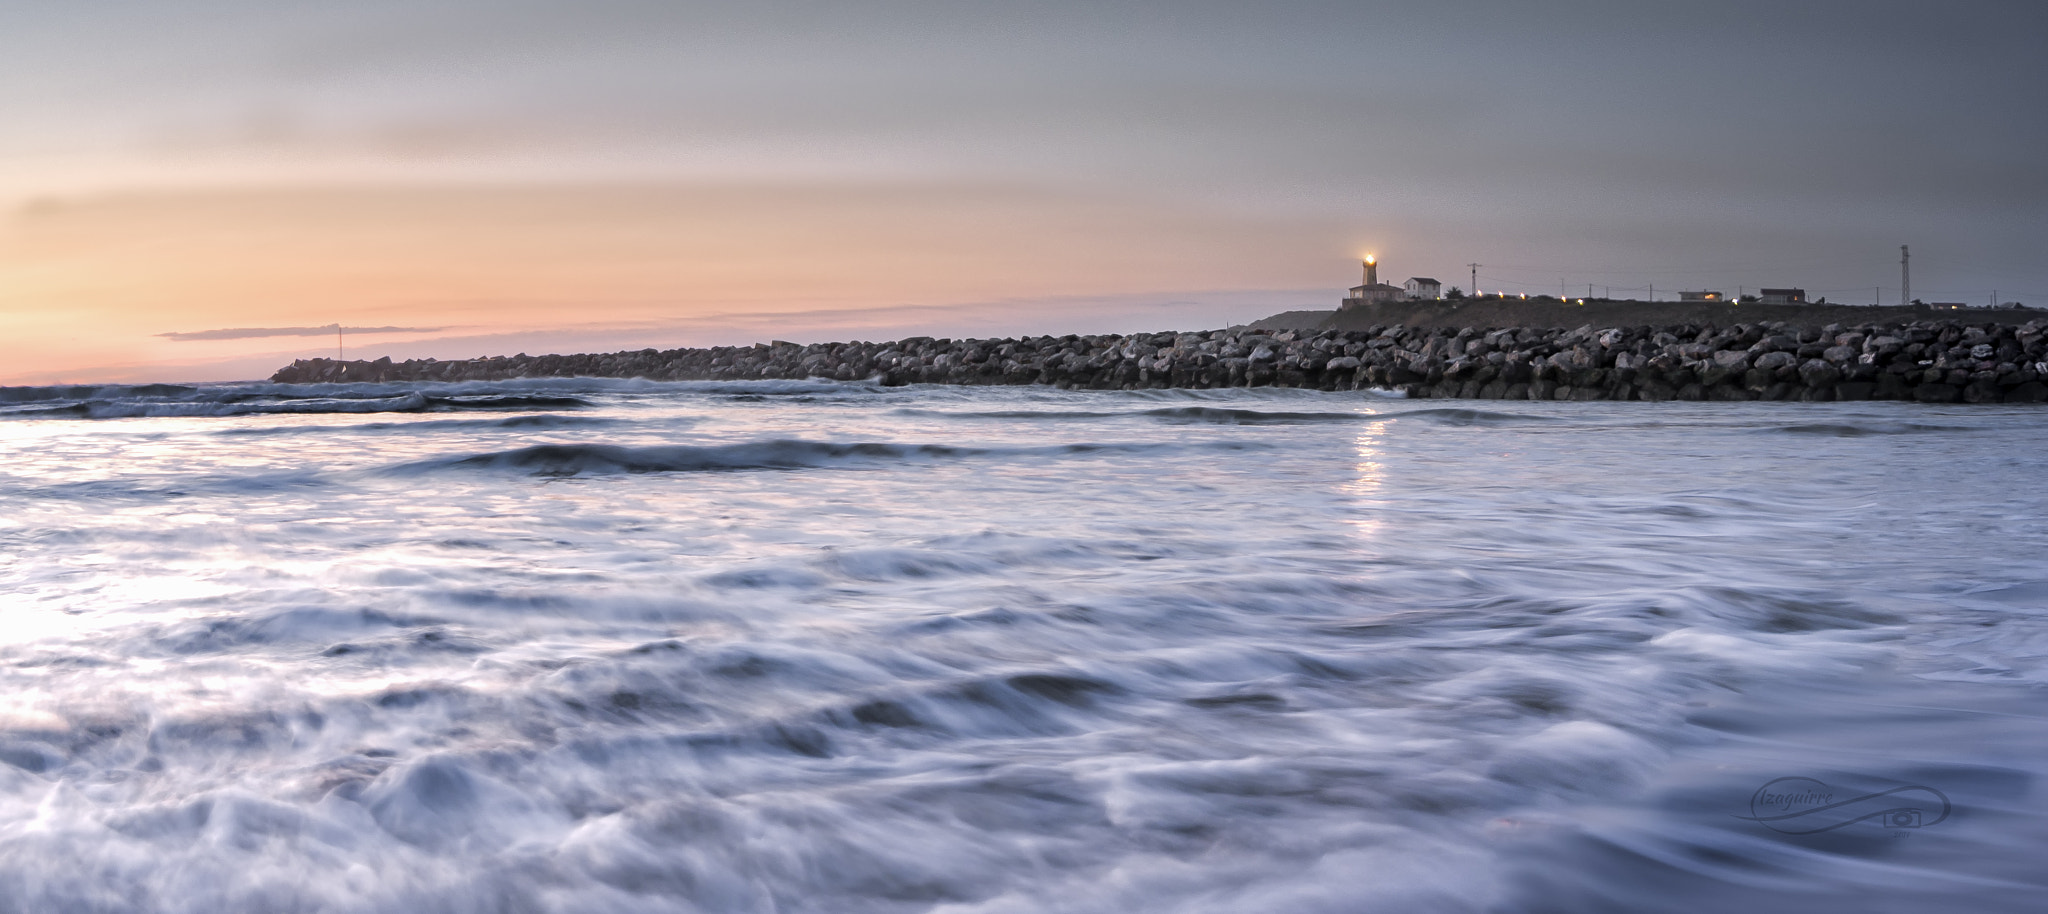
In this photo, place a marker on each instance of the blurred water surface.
(581, 645)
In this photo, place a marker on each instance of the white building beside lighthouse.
(1423, 288)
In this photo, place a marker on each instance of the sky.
(455, 178)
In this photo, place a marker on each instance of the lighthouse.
(1372, 291)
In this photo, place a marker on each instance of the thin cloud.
(245, 333)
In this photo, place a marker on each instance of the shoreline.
(1929, 361)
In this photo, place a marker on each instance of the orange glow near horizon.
(91, 283)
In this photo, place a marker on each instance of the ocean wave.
(1858, 430)
(1224, 416)
(588, 459)
(1191, 414)
(1009, 414)
(540, 421)
(257, 404)
(1185, 667)
(781, 454)
(157, 487)
(776, 387)
(1465, 417)
(266, 398)
(90, 392)
(67, 411)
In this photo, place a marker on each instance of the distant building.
(1373, 292)
(1782, 296)
(1701, 296)
(1947, 305)
(1423, 287)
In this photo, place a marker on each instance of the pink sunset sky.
(502, 177)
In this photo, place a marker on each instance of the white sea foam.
(597, 645)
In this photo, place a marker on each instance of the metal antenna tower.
(1905, 277)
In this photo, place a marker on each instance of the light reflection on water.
(1364, 486)
(837, 648)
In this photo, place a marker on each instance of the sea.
(585, 645)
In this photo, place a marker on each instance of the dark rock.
(1936, 393)
(1983, 392)
(2029, 392)
(1657, 391)
(1934, 361)
(1774, 360)
(1818, 373)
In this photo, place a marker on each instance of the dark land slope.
(1493, 313)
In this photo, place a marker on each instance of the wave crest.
(1186, 414)
(598, 459)
(171, 401)
(782, 454)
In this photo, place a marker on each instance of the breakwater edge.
(1944, 361)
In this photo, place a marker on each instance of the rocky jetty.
(1928, 361)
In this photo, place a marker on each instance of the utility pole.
(1475, 279)
(1653, 291)
(337, 344)
(1905, 277)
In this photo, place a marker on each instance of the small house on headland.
(1701, 296)
(1782, 296)
(1421, 288)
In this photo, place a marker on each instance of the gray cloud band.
(245, 333)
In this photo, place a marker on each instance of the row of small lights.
(1371, 260)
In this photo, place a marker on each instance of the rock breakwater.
(1928, 361)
